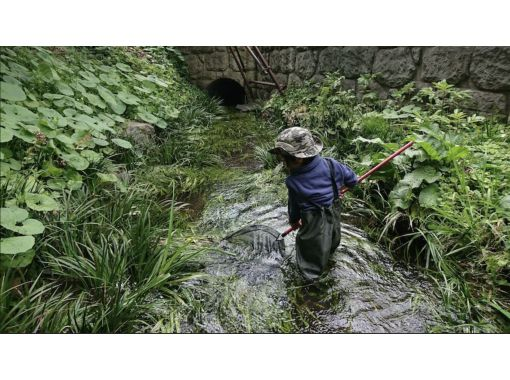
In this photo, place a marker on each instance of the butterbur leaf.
(12, 215)
(18, 113)
(123, 67)
(27, 227)
(19, 260)
(429, 196)
(107, 177)
(401, 196)
(95, 100)
(173, 113)
(56, 184)
(12, 92)
(41, 202)
(122, 143)
(504, 202)
(128, 98)
(76, 161)
(416, 177)
(91, 156)
(87, 75)
(64, 88)
(5, 135)
(161, 124)
(115, 104)
(16, 244)
(65, 139)
(148, 117)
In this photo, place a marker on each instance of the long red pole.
(360, 179)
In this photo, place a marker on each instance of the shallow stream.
(253, 285)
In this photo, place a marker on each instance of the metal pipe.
(278, 87)
(240, 66)
(263, 83)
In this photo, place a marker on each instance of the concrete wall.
(484, 70)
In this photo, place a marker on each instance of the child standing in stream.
(313, 184)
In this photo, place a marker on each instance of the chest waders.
(319, 235)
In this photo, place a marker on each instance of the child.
(314, 183)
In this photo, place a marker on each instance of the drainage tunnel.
(228, 91)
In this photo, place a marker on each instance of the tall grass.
(100, 262)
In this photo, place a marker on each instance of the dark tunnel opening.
(228, 91)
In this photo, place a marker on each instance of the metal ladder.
(261, 62)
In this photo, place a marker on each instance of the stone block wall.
(483, 70)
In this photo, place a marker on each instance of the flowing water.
(253, 284)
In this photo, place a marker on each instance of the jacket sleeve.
(293, 207)
(350, 178)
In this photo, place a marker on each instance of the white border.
(260, 22)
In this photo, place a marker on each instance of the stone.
(305, 64)
(317, 78)
(490, 67)
(350, 61)
(281, 78)
(140, 133)
(202, 83)
(415, 54)
(487, 102)
(349, 84)
(394, 66)
(282, 60)
(294, 80)
(205, 49)
(446, 62)
(246, 59)
(216, 61)
(195, 65)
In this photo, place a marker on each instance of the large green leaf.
(122, 143)
(5, 135)
(65, 139)
(415, 178)
(56, 184)
(19, 260)
(41, 202)
(17, 113)
(75, 160)
(148, 117)
(107, 177)
(95, 100)
(83, 107)
(88, 76)
(128, 98)
(16, 244)
(12, 92)
(27, 227)
(504, 202)
(401, 195)
(113, 101)
(123, 67)
(64, 88)
(429, 196)
(91, 156)
(12, 215)
(47, 73)
(112, 79)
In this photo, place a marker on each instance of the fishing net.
(259, 239)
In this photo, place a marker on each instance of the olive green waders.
(319, 235)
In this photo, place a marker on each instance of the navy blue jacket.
(310, 185)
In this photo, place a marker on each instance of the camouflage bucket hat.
(297, 142)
